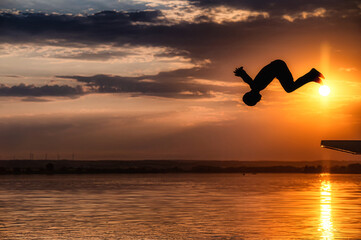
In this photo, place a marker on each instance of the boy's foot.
(318, 80)
(316, 76)
(316, 73)
(238, 71)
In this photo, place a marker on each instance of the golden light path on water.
(326, 224)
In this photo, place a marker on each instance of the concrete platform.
(349, 146)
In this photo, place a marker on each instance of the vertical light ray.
(325, 59)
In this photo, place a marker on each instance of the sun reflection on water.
(326, 225)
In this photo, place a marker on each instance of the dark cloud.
(69, 6)
(22, 90)
(94, 56)
(103, 26)
(280, 6)
(148, 28)
(11, 76)
(35, 99)
(172, 84)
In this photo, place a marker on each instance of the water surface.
(181, 206)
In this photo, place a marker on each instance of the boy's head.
(252, 98)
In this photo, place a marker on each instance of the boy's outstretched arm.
(239, 72)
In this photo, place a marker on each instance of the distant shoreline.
(16, 167)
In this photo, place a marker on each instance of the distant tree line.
(51, 168)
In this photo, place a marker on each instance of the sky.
(151, 79)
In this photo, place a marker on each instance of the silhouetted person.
(276, 69)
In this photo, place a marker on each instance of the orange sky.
(158, 85)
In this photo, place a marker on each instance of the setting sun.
(324, 90)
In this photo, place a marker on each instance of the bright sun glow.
(324, 90)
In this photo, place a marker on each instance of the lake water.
(181, 206)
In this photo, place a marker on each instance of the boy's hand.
(238, 71)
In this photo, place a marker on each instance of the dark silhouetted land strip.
(173, 166)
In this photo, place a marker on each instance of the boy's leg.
(285, 77)
(311, 76)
